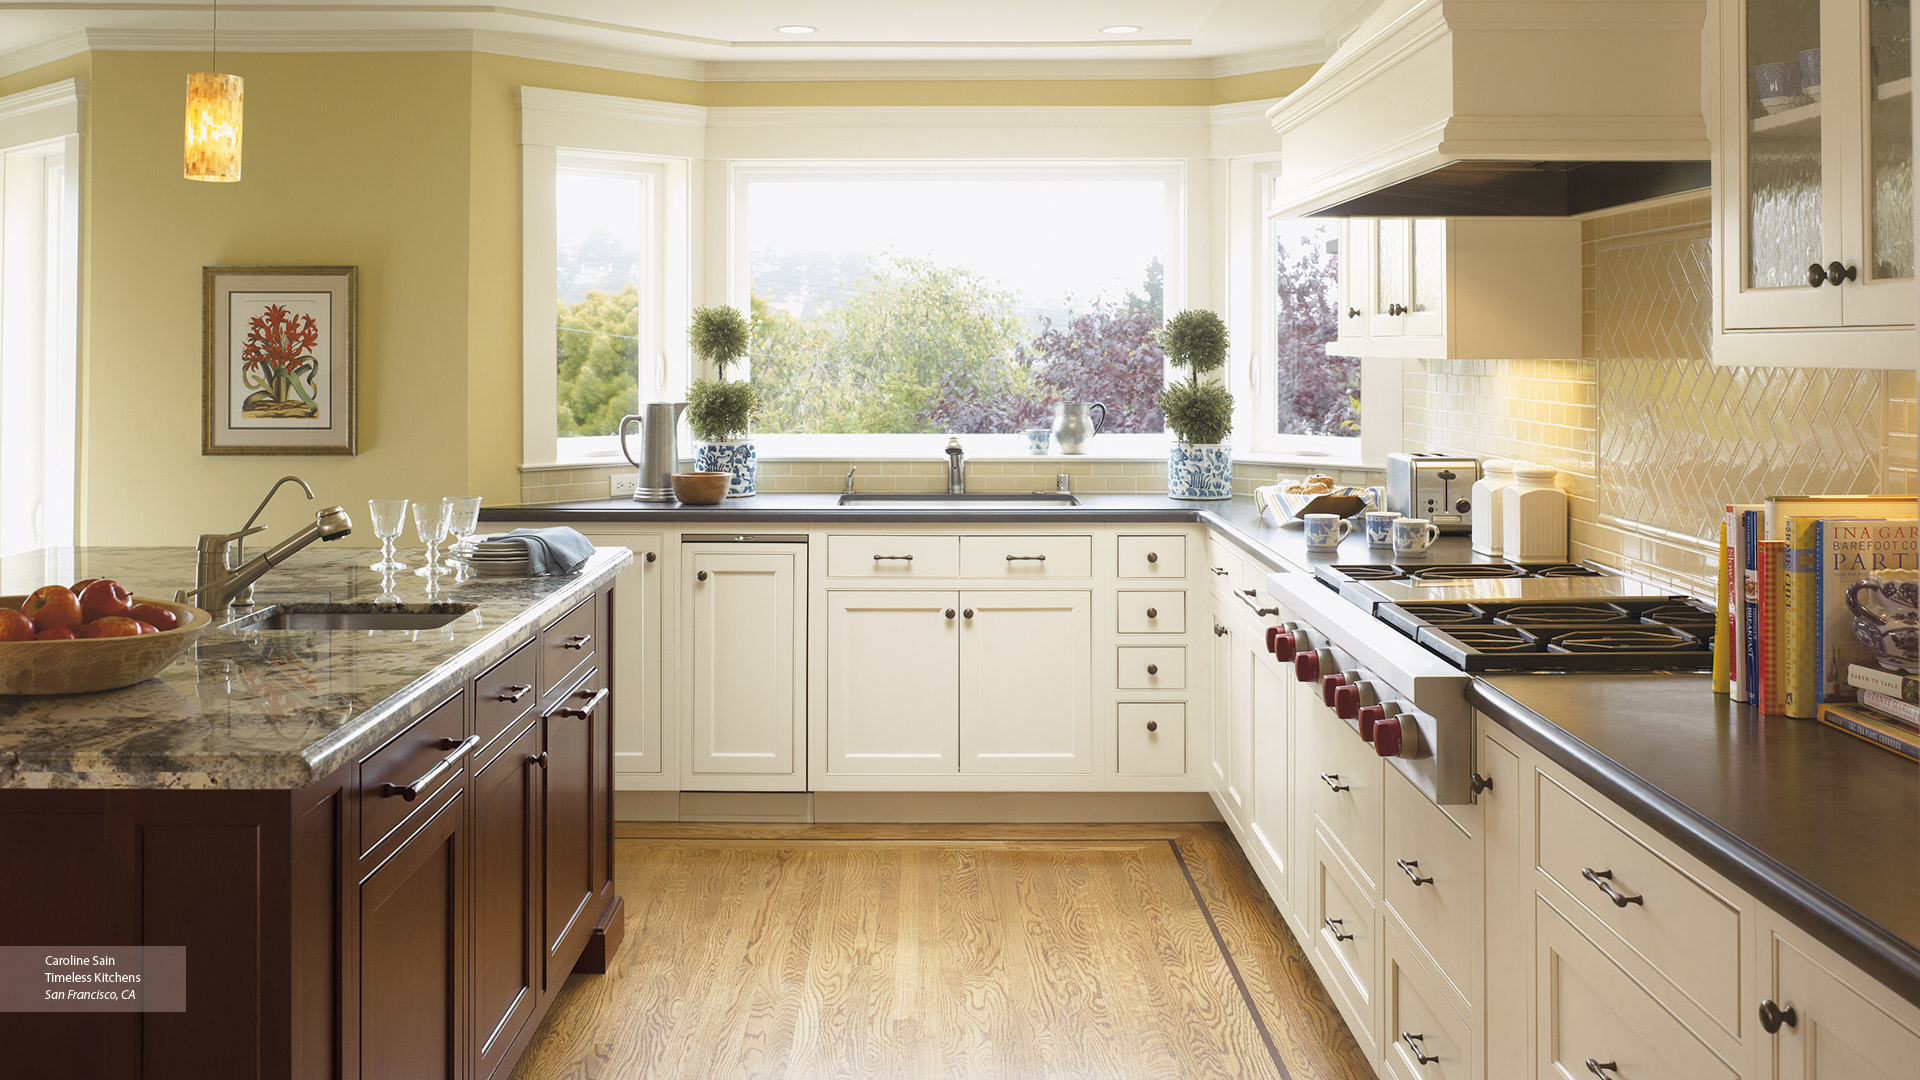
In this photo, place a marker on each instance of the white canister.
(1496, 474)
(1533, 516)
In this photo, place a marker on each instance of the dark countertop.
(1818, 825)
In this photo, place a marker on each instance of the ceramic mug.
(1413, 536)
(1380, 527)
(1039, 439)
(1325, 531)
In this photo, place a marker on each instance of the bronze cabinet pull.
(584, 711)
(1420, 1055)
(577, 641)
(412, 791)
(1334, 926)
(513, 693)
(1604, 879)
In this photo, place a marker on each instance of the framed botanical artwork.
(281, 371)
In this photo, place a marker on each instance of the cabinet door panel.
(1356, 288)
(1878, 174)
(1240, 724)
(1025, 682)
(746, 645)
(413, 973)
(566, 816)
(1220, 730)
(893, 682)
(1390, 264)
(1272, 745)
(1837, 1033)
(506, 950)
(1509, 953)
(633, 659)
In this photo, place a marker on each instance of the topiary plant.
(719, 335)
(1197, 412)
(717, 411)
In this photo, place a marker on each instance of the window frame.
(743, 172)
(1266, 437)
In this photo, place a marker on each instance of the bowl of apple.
(92, 636)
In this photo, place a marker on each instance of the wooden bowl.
(85, 665)
(701, 488)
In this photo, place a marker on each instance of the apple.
(59, 633)
(155, 616)
(15, 626)
(52, 607)
(112, 626)
(104, 598)
(81, 585)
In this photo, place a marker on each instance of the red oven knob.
(1369, 717)
(1329, 684)
(1286, 646)
(1306, 666)
(1346, 702)
(1386, 736)
(1274, 634)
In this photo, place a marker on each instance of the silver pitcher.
(1074, 425)
(659, 451)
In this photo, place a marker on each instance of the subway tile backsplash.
(1653, 438)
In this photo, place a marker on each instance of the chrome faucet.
(848, 490)
(956, 468)
(219, 585)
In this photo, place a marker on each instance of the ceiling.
(1176, 37)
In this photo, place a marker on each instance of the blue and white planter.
(1200, 471)
(736, 456)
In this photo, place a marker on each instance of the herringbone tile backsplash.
(1653, 438)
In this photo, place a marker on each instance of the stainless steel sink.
(349, 617)
(977, 500)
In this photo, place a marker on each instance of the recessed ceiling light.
(795, 29)
(1119, 29)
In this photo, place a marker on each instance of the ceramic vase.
(735, 456)
(1200, 471)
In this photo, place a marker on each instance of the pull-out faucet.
(956, 468)
(220, 585)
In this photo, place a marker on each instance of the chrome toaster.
(1438, 487)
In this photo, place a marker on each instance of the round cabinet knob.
(1346, 702)
(1463, 506)
(1772, 1016)
(1153, 556)
(1387, 736)
(1329, 684)
(968, 613)
(949, 613)
(651, 556)
(1353, 313)
(1369, 717)
(1306, 667)
(1153, 613)
(1153, 725)
(701, 576)
(1153, 669)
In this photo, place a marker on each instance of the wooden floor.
(1098, 951)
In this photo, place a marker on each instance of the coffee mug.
(1039, 439)
(1325, 531)
(1413, 536)
(1380, 527)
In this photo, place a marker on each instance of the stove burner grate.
(1446, 614)
(1630, 639)
(1368, 572)
(1681, 615)
(1465, 572)
(1564, 615)
(1479, 640)
(1562, 570)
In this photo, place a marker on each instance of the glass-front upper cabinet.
(1814, 162)
(1407, 260)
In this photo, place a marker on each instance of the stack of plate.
(496, 558)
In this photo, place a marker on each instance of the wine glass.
(463, 518)
(430, 517)
(389, 521)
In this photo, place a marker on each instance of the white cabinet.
(1459, 288)
(1272, 733)
(743, 632)
(1813, 156)
(1827, 1029)
(1230, 740)
(893, 682)
(641, 749)
(1025, 682)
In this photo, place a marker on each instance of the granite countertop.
(265, 709)
(1817, 824)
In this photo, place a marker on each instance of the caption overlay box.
(93, 978)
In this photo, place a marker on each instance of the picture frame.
(280, 360)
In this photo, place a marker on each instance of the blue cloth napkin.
(557, 550)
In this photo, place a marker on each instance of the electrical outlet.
(623, 485)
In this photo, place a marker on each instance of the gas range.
(1393, 647)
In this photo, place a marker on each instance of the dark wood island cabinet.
(412, 914)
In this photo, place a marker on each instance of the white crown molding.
(45, 112)
(609, 107)
(952, 70)
(561, 51)
(962, 116)
(1273, 60)
(1241, 112)
(280, 41)
(43, 52)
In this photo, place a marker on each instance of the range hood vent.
(1498, 108)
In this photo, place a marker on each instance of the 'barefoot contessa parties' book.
(1849, 550)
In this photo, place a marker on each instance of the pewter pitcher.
(659, 453)
(1074, 425)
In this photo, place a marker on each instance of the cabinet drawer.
(1152, 738)
(505, 692)
(565, 645)
(1152, 667)
(1224, 563)
(1420, 1022)
(893, 558)
(1590, 1010)
(1026, 558)
(1343, 940)
(1443, 910)
(1671, 919)
(1152, 612)
(1153, 557)
(414, 753)
(1343, 779)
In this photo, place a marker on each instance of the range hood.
(1498, 108)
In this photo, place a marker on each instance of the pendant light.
(213, 120)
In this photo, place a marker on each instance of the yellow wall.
(408, 166)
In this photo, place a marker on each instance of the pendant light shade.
(213, 127)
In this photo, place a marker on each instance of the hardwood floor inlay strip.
(1246, 996)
